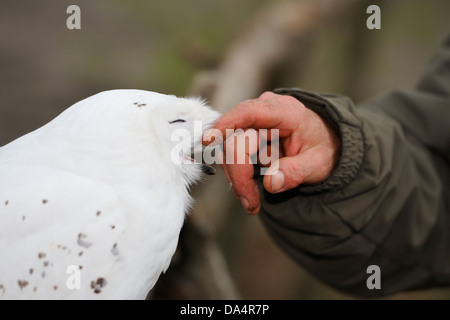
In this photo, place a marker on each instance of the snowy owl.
(92, 203)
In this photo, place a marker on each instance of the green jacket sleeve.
(388, 201)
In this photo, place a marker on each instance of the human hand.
(309, 147)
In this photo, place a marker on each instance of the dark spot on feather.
(98, 213)
(44, 201)
(6, 202)
(41, 255)
(98, 284)
(113, 226)
(81, 267)
(2, 288)
(23, 218)
(55, 288)
(45, 263)
(80, 253)
(114, 250)
(139, 104)
(101, 282)
(34, 289)
(64, 247)
(43, 274)
(31, 271)
(82, 242)
(22, 283)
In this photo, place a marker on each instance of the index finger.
(269, 111)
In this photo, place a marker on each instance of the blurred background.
(224, 51)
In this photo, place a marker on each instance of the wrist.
(347, 141)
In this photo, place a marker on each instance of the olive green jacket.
(388, 201)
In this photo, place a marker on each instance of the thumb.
(289, 172)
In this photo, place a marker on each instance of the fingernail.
(245, 204)
(208, 135)
(277, 181)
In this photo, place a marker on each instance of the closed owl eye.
(177, 121)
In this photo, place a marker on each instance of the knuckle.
(267, 95)
(294, 173)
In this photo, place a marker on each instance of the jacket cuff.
(338, 111)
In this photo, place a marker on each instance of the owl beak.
(207, 169)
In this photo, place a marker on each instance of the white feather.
(96, 188)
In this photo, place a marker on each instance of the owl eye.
(177, 121)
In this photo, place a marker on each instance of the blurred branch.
(252, 60)
(246, 71)
(263, 47)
